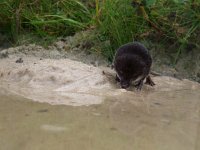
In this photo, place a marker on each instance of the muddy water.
(67, 105)
(169, 121)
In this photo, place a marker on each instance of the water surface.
(166, 122)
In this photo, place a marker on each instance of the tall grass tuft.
(169, 22)
(166, 21)
(44, 17)
(119, 24)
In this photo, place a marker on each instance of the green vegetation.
(43, 17)
(170, 22)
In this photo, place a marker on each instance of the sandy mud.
(59, 103)
(69, 82)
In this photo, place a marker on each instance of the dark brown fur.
(132, 62)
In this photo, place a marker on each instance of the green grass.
(119, 24)
(167, 22)
(43, 17)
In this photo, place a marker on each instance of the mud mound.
(54, 81)
(74, 83)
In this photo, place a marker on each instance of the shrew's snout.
(125, 85)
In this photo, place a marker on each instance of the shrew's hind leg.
(149, 81)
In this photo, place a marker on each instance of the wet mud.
(63, 104)
(167, 121)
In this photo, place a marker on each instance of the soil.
(84, 48)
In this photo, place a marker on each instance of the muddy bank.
(64, 81)
(187, 65)
(69, 66)
(63, 104)
(73, 47)
(85, 47)
(51, 102)
(46, 79)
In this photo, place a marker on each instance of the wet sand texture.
(164, 117)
